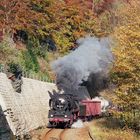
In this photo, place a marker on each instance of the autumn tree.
(69, 20)
(126, 71)
(17, 15)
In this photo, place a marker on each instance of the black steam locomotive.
(67, 108)
(64, 110)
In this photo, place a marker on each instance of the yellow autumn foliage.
(126, 70)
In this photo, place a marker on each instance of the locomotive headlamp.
(51, 115)
(65, 116)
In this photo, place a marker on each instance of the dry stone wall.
(27, 110)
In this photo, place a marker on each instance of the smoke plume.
(88, 65)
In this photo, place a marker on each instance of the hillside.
(45, 38)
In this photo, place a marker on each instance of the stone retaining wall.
(27, 110)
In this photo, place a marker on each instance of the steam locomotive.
(67, 108)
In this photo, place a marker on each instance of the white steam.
(78, 124)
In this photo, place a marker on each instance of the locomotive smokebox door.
(82, 110)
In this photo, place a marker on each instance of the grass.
(107, 130)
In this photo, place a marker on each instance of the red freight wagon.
(89, 109)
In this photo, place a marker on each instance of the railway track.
(83, 133)
(61, 134)
(89, 133)
(54, 134)
(68, 134)
(48, 132)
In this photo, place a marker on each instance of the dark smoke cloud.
(87, 65)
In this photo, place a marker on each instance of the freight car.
(89, 109)
(67, 108)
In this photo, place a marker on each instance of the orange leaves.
(17, 14)
(9, 10)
